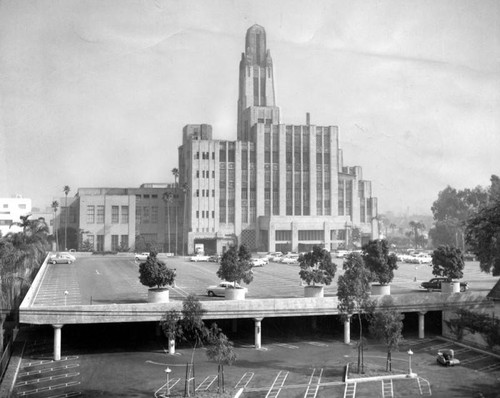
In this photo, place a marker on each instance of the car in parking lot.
(220, 289)
(275, 256)
(446, 357)
(141, 256)
(435, 284)
(215, 258)
(199, 258)
(61, 258)
(290, 259)
(258, 262)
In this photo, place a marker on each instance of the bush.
(378, 260)
(448, 261)
(317, 267)
(235, 265)
(154, 272)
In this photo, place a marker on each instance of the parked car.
(341, 253)
(220, 289)
(71, 256)
(469, 256)
(60, 258)
(435, 284)
(290, 259)
(275, 257)
(141, 256)
(199, 257)
(423, 258)
(258, 262)
(215, 258)
(447, 358)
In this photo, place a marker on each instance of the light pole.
(167, 372)
(410, 373)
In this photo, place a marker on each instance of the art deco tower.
(257, 97)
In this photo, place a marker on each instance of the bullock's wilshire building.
(278, 187)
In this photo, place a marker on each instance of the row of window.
(21, 206)
(204, 155)
(309, 235)
(146, 196)
(204, 214)
(95, 214)
(205, 174)
(204, 193)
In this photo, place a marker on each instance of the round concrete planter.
(158, 295)
(235, 294)
(381, 290)
(451, 287)
(314, 291)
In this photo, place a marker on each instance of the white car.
(275, 257)
(290, 259)
(341, 253)
(220, 289)
(71, 256)
(141, 256)
(199, 257)
(61, 258)
(258, 262)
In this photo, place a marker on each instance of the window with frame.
(115, 214)
(145, 215)
(138, 215)
(90, 214)
(125, 215)
(154, 214)
(100, 214)
(114, 243)
(124, 241)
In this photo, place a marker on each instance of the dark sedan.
(435, 284)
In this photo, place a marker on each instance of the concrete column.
(421, 325)
(347, 330)
(234, 326)
(57, 342)
(258, 332)
(171, 346)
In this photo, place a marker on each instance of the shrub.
(448, 261)
(317, 267)
(154, 272)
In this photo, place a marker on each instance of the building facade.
(278, 187)
(11, 209)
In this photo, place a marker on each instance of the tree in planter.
(154, 273)
(220, 349)
(448, 261)
(378, 260)
(316, 266)
(387, 325)
(235, 266)
(354, 296)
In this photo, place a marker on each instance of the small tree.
(379, 261)
(354, 295)
(171, 327)
(235, 266)
(448, 261)
(387, 325)
(155, 273)
(87, 246)
(317, 267)
(220, 349)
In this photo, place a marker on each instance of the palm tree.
(66, 190)
(175, 172)
(167, 198)
(55, 205)
(416, 226)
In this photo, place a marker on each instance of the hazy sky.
(96, 93)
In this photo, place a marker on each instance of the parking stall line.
(278, 382)
(50, 388)
(46, 361)
(490, 368)
(244, 381)
(206, 383)
(474, 359)
(45, 379)
(67, 395)
(285, 345)
(54, 369)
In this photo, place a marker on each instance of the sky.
(96, 93)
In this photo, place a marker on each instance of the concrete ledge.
(249, 308)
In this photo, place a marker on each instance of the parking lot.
(286, 366)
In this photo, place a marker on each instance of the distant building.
(111, 219)
(11, 209)
(278, 187)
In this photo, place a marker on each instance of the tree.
(378, 260)
(175, 172)
(448, 261)
(55, 205)
(387, 325)
(416, 226)
(154, 272)
(171, 327)
(220, 349)
(353, 294)
(66, 190)
(316, 266)
(87, 246)
(482, 235)
(235, 266)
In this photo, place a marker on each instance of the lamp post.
(410, 373)
(65, 297)
(167, 373)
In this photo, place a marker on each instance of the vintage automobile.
(220, 289)
(435, 284)
(141, 256)
(61, 258)
(447, 358)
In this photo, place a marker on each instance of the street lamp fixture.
(167, 373)
(410, 373)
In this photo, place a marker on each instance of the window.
(100, 243)
(22, 206)
(145, 215)
(90, 214)
(146, 196)
(282, 235)
(125, 214)
(100, 214)
(154, 196)
(124, 242)
(197, 214)
(197, 193)
(138, 196)
(138, 215)
(213, 213)
(197, 173)
(115, 216)
(154, 214)
(114, 243)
